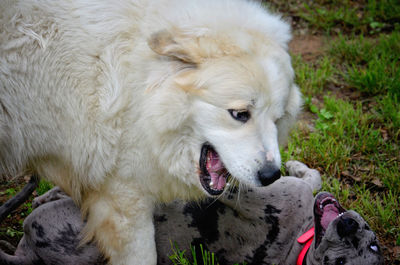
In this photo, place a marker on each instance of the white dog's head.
(240, 100)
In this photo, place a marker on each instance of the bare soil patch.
(310, 47)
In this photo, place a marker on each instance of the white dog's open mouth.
(326, 209)
(213, 175)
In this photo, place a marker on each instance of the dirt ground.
(310, 47)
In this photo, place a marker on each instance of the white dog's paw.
(300, 170)
(52, 195)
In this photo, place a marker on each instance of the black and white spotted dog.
(279, 224)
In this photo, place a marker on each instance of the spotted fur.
(257, 225)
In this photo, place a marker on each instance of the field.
(346, 56)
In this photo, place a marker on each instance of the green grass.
(11, 232)
(179, 257)
(389, 112)
(9, 192)
(332, 17)
(365, 17)
(371, 65)
(43, 187)
(313, 76)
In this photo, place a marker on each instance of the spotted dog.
(266, 225)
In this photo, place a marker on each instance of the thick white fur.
(112, 101)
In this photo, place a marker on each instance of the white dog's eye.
(240, 115)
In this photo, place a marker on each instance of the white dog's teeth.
(211, 183)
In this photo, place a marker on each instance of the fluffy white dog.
(131, 102)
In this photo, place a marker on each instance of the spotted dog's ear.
(167, 44)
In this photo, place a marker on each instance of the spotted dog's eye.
(340, 261)
(374, 247)
(240, 115)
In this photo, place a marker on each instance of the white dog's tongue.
(218, 182)
(330, 213)
(214, 167)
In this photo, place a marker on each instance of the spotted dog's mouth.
(213, 175)
(326, 209)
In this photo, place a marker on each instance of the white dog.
(130, 102)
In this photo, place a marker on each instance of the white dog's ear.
(164, 43)
(180, 48)
(293, 108)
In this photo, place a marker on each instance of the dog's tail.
(6, 209)
(19, 199)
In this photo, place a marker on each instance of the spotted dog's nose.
(346, 226)
(268, 173)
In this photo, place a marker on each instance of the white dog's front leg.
(121, 221)
(141, 250)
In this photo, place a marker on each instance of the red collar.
(306, 238)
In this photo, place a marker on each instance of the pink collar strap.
(306, 239)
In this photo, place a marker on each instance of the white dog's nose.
(269, 173)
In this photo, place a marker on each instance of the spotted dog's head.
(341, 237)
